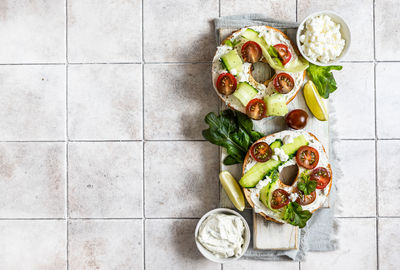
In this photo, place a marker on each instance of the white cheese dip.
(222, 235)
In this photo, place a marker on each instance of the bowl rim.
(343, 25)
(207, 254)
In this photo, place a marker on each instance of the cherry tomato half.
(305, 199)
(283, 52)
(251, 52)
(261, 152)
(322, 176)
(256, 109)
(279, 199)
(283, 83)
(307, 157)
(297, 119)
(226, 84)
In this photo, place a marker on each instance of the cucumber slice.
(245, 92)
(258, 171)
(276, 144)
(232, 60)
(291, 148)
(276, 105)
(265, 195)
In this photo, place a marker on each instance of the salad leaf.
(295, 215)
(323, 78)
(305, 184)
(247, 124)
(233, 131)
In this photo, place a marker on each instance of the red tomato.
(307, 157)
(283, 52)
(283, 83)
(226, 84)
(280, 198)
(322, 176)
(261, 152)
(256, 109)
(305, 199)
(251, 52)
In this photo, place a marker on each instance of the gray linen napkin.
(319, 234)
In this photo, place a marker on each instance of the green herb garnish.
(306, 185)
(295, 215)
(323, 78)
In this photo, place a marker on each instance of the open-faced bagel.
(253, 194)
(273, 37)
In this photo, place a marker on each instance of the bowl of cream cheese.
(222, 235)
(323, 38)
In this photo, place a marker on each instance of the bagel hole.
(262, 72)
(289, 174)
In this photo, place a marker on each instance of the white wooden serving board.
(267, 234)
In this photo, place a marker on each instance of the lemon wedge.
(315, 102)
(232, 189)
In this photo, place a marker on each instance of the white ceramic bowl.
(205, 251)
(344, 30)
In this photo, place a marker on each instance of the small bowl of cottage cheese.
(323, 38)
(222, 235)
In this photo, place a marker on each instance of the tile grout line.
(66, 136)
(166, 63)
(376, 142)
(143, 148)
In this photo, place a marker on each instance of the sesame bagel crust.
(290, 96)
(247, 191)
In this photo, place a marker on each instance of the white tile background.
(102, 163)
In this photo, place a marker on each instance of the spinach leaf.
(305, 184)
(323, 78)
(233, 131)
(247, 124)
(295, 215)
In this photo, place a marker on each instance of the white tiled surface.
(102, 163)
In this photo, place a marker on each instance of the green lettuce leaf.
(323, 78)
(295, 215)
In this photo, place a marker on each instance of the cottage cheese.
(321, 39)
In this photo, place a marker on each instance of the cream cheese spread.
(222, 235)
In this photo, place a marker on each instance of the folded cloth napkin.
(319, 234)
